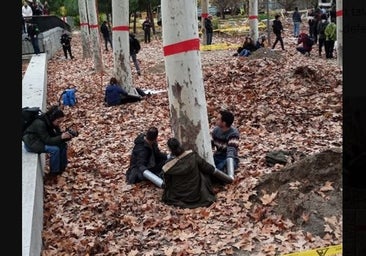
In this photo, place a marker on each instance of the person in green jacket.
(330, 38)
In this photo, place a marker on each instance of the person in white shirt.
(27, 14)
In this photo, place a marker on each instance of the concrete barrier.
(34, 92)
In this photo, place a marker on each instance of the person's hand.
(66, 135)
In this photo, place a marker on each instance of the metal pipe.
(230, 167)
(222, 176)
(153, 178)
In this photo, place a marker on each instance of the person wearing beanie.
(44, 135)
(146, 156)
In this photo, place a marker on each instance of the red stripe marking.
(93, 26)
(204, 15)
(252, 17)
(84, 24)
(339, 13)
(121, 28)
(185, 46)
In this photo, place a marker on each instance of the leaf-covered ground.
(282, 101)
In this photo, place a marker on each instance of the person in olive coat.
(44, 135)
(187, 178)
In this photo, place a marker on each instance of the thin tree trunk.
(121, 45)
(204, 15)
(253, 20)
(339, 22)
(187, 102)
(95, 37)
(84, 28)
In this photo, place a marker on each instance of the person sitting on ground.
(261, 42)
(44, 135)
(247, 48)
(145, 155)
(225, 142)
(306, 47)
(116, 95)
(187, 178)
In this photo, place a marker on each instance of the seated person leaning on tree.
(247, 48)
(146, 159)
(187, 178)
(225, 141)
(116, 95)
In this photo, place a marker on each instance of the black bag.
(29, 114)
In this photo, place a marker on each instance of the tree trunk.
(339, 22)
(84, 28)
(121, 45)
(187, 102)
(204, 15)
(95, 38)
(253, 20)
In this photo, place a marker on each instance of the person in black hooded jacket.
(145, 155)
(44, 135)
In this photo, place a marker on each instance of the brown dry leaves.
(90, 210)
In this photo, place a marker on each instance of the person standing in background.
(66, 44)
(277, 30)
(27, 14)
(296, 19)
(104, 29)
(146, 26)
(209, 29)
(33, 32)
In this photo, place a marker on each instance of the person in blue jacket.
(116, 95)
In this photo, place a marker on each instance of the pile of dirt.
(308, 192)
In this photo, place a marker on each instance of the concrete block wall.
(34, 94)
(49, 42)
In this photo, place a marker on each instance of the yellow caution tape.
(326, 251)
(221, 46)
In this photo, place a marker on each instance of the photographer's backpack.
(68, 97)
(29, 114)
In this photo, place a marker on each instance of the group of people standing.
(186, 178)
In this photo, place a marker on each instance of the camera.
(74, 133)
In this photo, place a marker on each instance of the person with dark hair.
(44, 135)
(296, 19)
(209, 29)
(187, 178)
(134, 49)
(116, 95)
(321, 33)
(65, 41)
(330, 38)
(146, 26)
(306, 46)
(277, 30)
(33, 33)
(225, 141)
(146, 159)
(104, 29)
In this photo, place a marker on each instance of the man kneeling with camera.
(44, 135)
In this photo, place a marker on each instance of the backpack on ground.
(136, 45)
(68, 97)
(29, 114)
